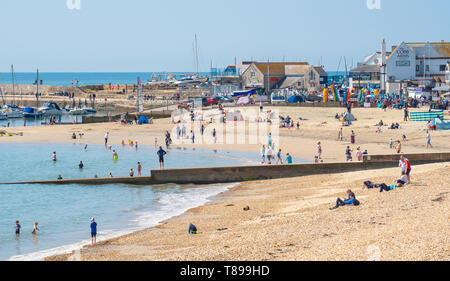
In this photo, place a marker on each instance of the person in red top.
(407, 166)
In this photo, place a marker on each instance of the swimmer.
(115, 156)
(81, 165)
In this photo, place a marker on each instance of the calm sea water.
(63, 212)
(84, 78)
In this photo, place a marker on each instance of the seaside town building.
(421, 64)
(278, 75)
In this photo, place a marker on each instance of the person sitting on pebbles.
(350, 201)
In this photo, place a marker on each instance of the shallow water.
(63, 212)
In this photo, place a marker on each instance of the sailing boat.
(193, 79)
(31, 112)
(12, 110)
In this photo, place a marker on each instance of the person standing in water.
(115, 155)
(81, 165)
(93, 231)
(161, 152)
(139, 168)
(54, 156)
(17, 228)
(106, 138)
(35, 228)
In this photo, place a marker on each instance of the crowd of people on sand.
(268, 156)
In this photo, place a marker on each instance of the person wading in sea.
(161, 152)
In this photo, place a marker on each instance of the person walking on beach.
(93, 231)
(161, 152)
(214, 133)
(17, 228)
(270, 140)
(269, 155)
(399, 147)
(359, 154)
(429, 140)
(319, 150)
(406, 167)
(279, 159)
(139, 168)
(352, 137)
(348, 154)
(406, 114)
(106, 138)
(35, 228)
(341, 134)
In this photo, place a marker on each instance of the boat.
(191, 80)
(50, 108)
(11, 111)
(87, 111)
(30, 112)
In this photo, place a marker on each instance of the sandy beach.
(289, 219)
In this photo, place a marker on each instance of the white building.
(418, 61)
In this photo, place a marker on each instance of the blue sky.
(146, 35)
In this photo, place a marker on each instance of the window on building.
(442, 67)
(427, 68)
(252, 74)
(417, 68)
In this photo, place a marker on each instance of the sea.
(85, 78)
(64, 211)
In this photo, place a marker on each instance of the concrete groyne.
(212, 175)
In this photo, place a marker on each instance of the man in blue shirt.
(17, 228)
(161, 152)
(93, 231)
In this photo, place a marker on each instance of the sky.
(151, 36)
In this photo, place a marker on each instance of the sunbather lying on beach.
(350, 201)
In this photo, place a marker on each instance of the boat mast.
(140, 103)
(196, 53)
(37, 88)
(12, 79)
(1, 93)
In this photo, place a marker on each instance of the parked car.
(186, 104)
(225, 100)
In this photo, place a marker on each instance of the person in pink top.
(359, 154)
